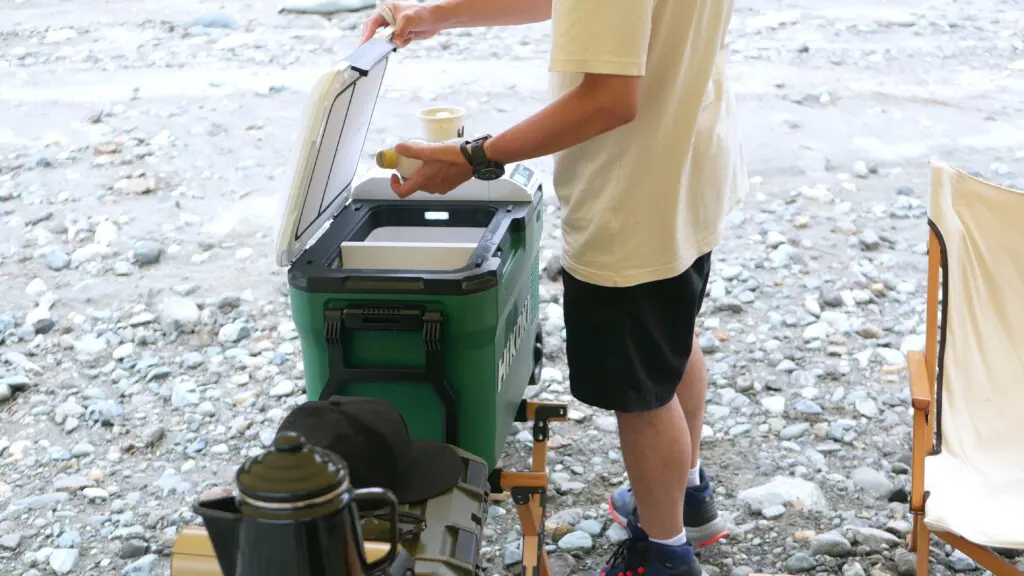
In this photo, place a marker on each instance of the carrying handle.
(391, 318)
(383, 317)
(387, 496)
(510, 234)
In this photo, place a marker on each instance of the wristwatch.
(483, 168)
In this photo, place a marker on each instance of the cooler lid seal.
(334, 128)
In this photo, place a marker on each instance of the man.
(648, 163)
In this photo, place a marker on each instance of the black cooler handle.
(390, 317)
(507, 241)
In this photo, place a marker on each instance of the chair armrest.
(921, 399)
(920, 387)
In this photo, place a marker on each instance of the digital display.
(521, 175)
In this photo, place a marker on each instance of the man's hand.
(415, 21)
(412, 22)
(444, 168)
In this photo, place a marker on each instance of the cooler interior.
(415, 238)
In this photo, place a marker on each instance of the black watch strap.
(483, 167)
(473, 152)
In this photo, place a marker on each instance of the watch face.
(490, 173)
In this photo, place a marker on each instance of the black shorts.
(627, 348)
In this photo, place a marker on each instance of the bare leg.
(656, 451)
(692, 394)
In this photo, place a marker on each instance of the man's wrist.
(441, 14)
(482, 165)
(489, 151)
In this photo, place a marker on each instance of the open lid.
(334, 128)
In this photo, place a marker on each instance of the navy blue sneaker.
(638, 556)
(703, 525)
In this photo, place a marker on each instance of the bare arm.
(602, 102)
(478, 13)
(415, 21)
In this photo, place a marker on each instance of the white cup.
(441, 123)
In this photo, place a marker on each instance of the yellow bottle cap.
(387, 159)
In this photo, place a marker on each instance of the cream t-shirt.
(642, 202)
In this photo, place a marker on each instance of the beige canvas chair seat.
(968, 386)
(982, 508)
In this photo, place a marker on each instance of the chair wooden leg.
(984, 556)
(912, 537)
(922, 542)
(529, 488)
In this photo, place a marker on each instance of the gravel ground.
(147, 346)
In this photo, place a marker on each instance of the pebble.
(232, 333)
(10, 541)
(576, 541)
(800, 562)
(961, 562)
(142, 567)
(95, 493)
(830, 544)
(794, 431)
(616, 534)
(853, 569)
(215, 20)
(591, 526)
(870, 241)
(133, 548)
(283, 388)
(562, 564)
(184, 394)
(866, 407)
(906, 562)
(773, 511)
(147, 252)
(123, 351)
(876, 540)
(57, 260)
(872, 482)
(179, 314)
(513, 553)
(325, 7)
(62, 560)
(135, 186)
(784, 491)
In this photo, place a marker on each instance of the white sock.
(694, 478)
(677, 541)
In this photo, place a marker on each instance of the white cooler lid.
(334, 128)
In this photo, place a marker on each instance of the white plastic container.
(391, 160)
(428, 248)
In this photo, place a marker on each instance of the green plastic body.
(489, 338)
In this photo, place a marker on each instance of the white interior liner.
(412, 248)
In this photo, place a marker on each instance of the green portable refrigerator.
(430, 302)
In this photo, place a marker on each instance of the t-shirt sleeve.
(601, 36)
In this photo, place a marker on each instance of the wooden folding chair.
(967, 388)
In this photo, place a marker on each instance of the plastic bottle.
(392, 160)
